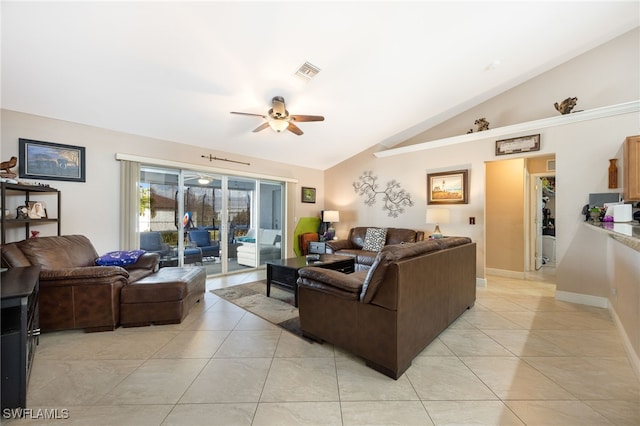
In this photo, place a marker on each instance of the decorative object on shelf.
(448, 187)
(308, 195)
(613, 173)
(566, 106)
(481, 123)
(395, 198)
(517, 145)
(52, 161)
(438, 216)
(37, 210)
(22, 212)
(34, 234)
(5, 168)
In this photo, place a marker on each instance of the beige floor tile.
(357, 382)
(512, 378)
(471, 412)
(622, 413)
(228, 381)
(436, 348)
(446, 378)
(370, 413)
(75, 382)
(253, 322)
(596, 343)
(591, 378)
(249, 343)
(500, 304)
(193, 344)
(157, 381)
(292, 346)
(298, 413)
(217, 318)
(526, 343)
(119, 344)
(301, 379)
(211, 415)
(472, 342)
(490, 320)
(560, 413)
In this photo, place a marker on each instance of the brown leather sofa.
(354, 243)
(390, 313)
(74, 291)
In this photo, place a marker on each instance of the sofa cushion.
(375, 276)
(60, 252)
(13, 257)
(374, 239)
(119, 258)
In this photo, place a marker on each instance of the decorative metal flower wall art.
(395, 199)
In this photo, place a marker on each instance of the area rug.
(278, 308)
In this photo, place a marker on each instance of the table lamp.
(331, 216)
(438, 216)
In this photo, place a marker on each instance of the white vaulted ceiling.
(174, 70)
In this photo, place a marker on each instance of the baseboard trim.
(583, 299)
(481, 282)
(505, 273)
(634, 360)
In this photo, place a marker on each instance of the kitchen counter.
(627, 233)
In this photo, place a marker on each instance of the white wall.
(93, 208)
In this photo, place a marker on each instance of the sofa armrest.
(150, 261)
(335, 245)
(330, 281)
(85, 275)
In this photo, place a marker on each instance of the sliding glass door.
(226, 223)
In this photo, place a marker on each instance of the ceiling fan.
(278, 118)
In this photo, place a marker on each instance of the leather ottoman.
(164, 297)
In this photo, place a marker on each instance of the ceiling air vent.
(307, 71)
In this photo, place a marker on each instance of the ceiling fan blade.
(261, 127)
(294, 129)
(307, 118)
(248, 113)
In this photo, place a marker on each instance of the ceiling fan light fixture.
(279, 125)
(204, 181)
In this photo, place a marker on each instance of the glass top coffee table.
(284, 272)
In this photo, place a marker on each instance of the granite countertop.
(628, 233)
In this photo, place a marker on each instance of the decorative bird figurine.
(566, 106)
(482, 124)
(5, 168)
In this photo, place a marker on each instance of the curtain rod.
(211, 158)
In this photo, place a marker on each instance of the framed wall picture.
(51, 161)
(308, 195)
(448, 187)
(517, 145)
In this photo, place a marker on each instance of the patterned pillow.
(374, 239)
(119, 258)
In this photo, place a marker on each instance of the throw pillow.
(119, 258)
(374, 239)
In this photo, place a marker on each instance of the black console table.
(20, 331)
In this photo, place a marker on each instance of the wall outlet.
(472, 221)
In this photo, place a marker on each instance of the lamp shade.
(331, 216)
(438, 216)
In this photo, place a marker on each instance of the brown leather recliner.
(74, 291)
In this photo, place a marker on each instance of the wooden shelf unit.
(11, 191)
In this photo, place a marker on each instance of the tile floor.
(518, 357)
